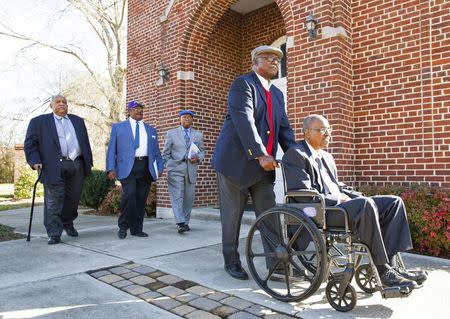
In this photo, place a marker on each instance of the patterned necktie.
(136, 136)
(330, 187)
(70, 139)
(186, 138)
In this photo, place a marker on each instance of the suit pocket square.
(153, 136)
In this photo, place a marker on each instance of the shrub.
(6, 164)
(111, 203)
(23, 188)
(428, 213)
(95, 188)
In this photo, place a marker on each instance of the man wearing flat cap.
(133, 157)
(255, 123)
(58, 144)
(183, 151)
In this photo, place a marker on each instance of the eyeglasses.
(271, 58)
(323, 130)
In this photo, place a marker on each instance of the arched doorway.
(215, 49)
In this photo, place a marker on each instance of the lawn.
(7, 233)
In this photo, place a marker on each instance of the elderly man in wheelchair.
(325, 227)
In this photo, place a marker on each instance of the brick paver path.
(184, 298)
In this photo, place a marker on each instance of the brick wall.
(378, 70)
(401, 61)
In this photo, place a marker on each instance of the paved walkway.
(166, 275)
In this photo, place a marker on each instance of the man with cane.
(58, 144)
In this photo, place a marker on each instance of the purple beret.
(186, 112)
(133, 104)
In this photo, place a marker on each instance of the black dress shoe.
(54, 240)
(71, 231)
(236, 271)
(418, 276)
(183, 228)
(122, 233)
(392, 278)
(141, 234)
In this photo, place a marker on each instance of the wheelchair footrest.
(395, 292)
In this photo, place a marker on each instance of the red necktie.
(269, 146)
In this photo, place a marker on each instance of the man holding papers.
(182, 153)
(133, 157)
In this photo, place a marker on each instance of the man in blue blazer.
(58, 144)
(133, 157)
(255, 123)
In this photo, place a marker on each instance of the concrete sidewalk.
(166, 275)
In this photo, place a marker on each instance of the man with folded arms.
(133, 157)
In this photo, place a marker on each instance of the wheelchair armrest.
(329, 209)
(303, 193)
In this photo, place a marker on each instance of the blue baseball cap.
(133, 104)
(186, 112)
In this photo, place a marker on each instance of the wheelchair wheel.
(277, 241)
(365, 279)
(345, 303)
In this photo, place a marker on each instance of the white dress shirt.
(142, 150)
(329, 185)
(266, 84)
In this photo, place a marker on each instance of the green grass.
(7, 233)
(14, 206)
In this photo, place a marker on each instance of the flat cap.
(266, 49)
(133, 104)
(186, 112)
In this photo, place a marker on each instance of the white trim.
(329, 32)
(165, 16)
(289, 42)
(278, 42)
(185, 75)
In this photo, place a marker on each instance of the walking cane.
(32, 203)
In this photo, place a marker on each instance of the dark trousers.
(61, 198)
(380, 222)
(233, 198)
(135, 190)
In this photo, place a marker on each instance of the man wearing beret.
(133, 157)
(183, 151)
(58, 144)
(255, 123)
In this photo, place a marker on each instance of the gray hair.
(307, 122)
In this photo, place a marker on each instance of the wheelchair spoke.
(295, 236)
(270, 240)
(270, 254)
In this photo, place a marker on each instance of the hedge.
(428, 211)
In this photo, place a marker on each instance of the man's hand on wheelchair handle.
(267, 162)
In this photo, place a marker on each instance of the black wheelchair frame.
(291, 251)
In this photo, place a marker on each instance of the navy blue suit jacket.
(302, 173)
(246, 130)
(121, 152)
(41, 145)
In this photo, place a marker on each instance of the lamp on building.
(310, 24)
(163, 74)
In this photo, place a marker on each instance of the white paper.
(193, 150)
(155, 167)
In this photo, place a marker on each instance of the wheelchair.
(293, 248)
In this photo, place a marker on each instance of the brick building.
(379, 70)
